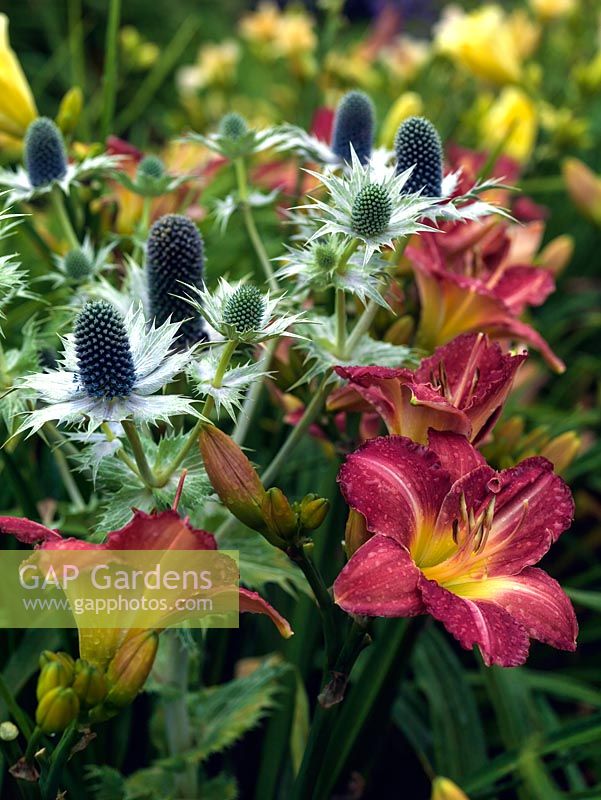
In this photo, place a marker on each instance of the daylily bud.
(89, 684)
(584, 187)
(445, 789)
(409, 104)
(278, 514)
(401, 330)
(129, 668)
(232, 476)
(69, 110)
(355, 533)
(65, 659)
(57, 709)
(557, 254)
(562, 450)
(8, 731)
(312, 511)
(54, 674)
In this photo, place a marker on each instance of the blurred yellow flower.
(17, 106)
(551, 9)
(215, 66)
(511, 124)
(261, 27)
(525, 32)
(486, 42)
(404, 58)
(295, 35)
(350, 70)
(409, 104)
(445, 789)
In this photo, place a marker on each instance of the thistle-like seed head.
(174, 257)
(354, 125)
(372, 210)
(244, 308)
(104, 359)
(233, 126)
(326, 256)
(417, 143)
(45, 154)
(151, 167)
(77, 265)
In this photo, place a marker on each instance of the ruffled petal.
(535, 600)
(253, 603)
(27, 531)
(456, 454)
(396, 484)
(165, 530)
(501, 638)
(380, 580)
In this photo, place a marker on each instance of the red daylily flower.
(469, 281)
(164, 530)
(453, 538)
(461, 387)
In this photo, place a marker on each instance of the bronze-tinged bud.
(355, 532)
(445, 789)
(53, 674)
(278, 514)
(312, 511)
(69, 110)
(88, 684)
(401, 330)
(557, 254)
(562, 450)
(232, 476)
(56, 709)
(127, 672)
(584, 188)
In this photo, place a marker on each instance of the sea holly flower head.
(461, 387)
(353, 127)
(452, 537)
(111, 369)
(82, 263)
(235, 139)
(319, 265)
(174, 258)
(241, 312)
(46, 165)
(417, 143)
(151, 178)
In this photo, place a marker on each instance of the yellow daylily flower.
(551, 9)
(17, 106)
(511, 121)
(261, 27)
(486, 42)
(409, 104)
(446, 789)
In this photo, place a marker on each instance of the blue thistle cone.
(45, 154)
(233, 126)
(77, 265)
(244, 308)
(151, 167)
(417, 142)
(104, 359)
(354, 125)
(371, 210)
(174, 257)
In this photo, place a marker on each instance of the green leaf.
(222, 714)
(585, 598)
(105, 782)
(261, 563)
(457, 731)
(300, 725)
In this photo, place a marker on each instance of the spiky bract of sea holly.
(417, 144)
(175, 259)
(45, 155)
(354, 127)
(104, 359)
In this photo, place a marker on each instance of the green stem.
(340, 324)
(226, 355)
(324, 600)
(177, 720)
(58, 204)
(251, 228)
(143, 229)
(121, 454)
(32, 744)
(363, 325)
(58, 760)
(68, 480)
(76, 47)
(144, 468)
(109, 90)
(14, 709)
(311, 412)
(251, 401)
